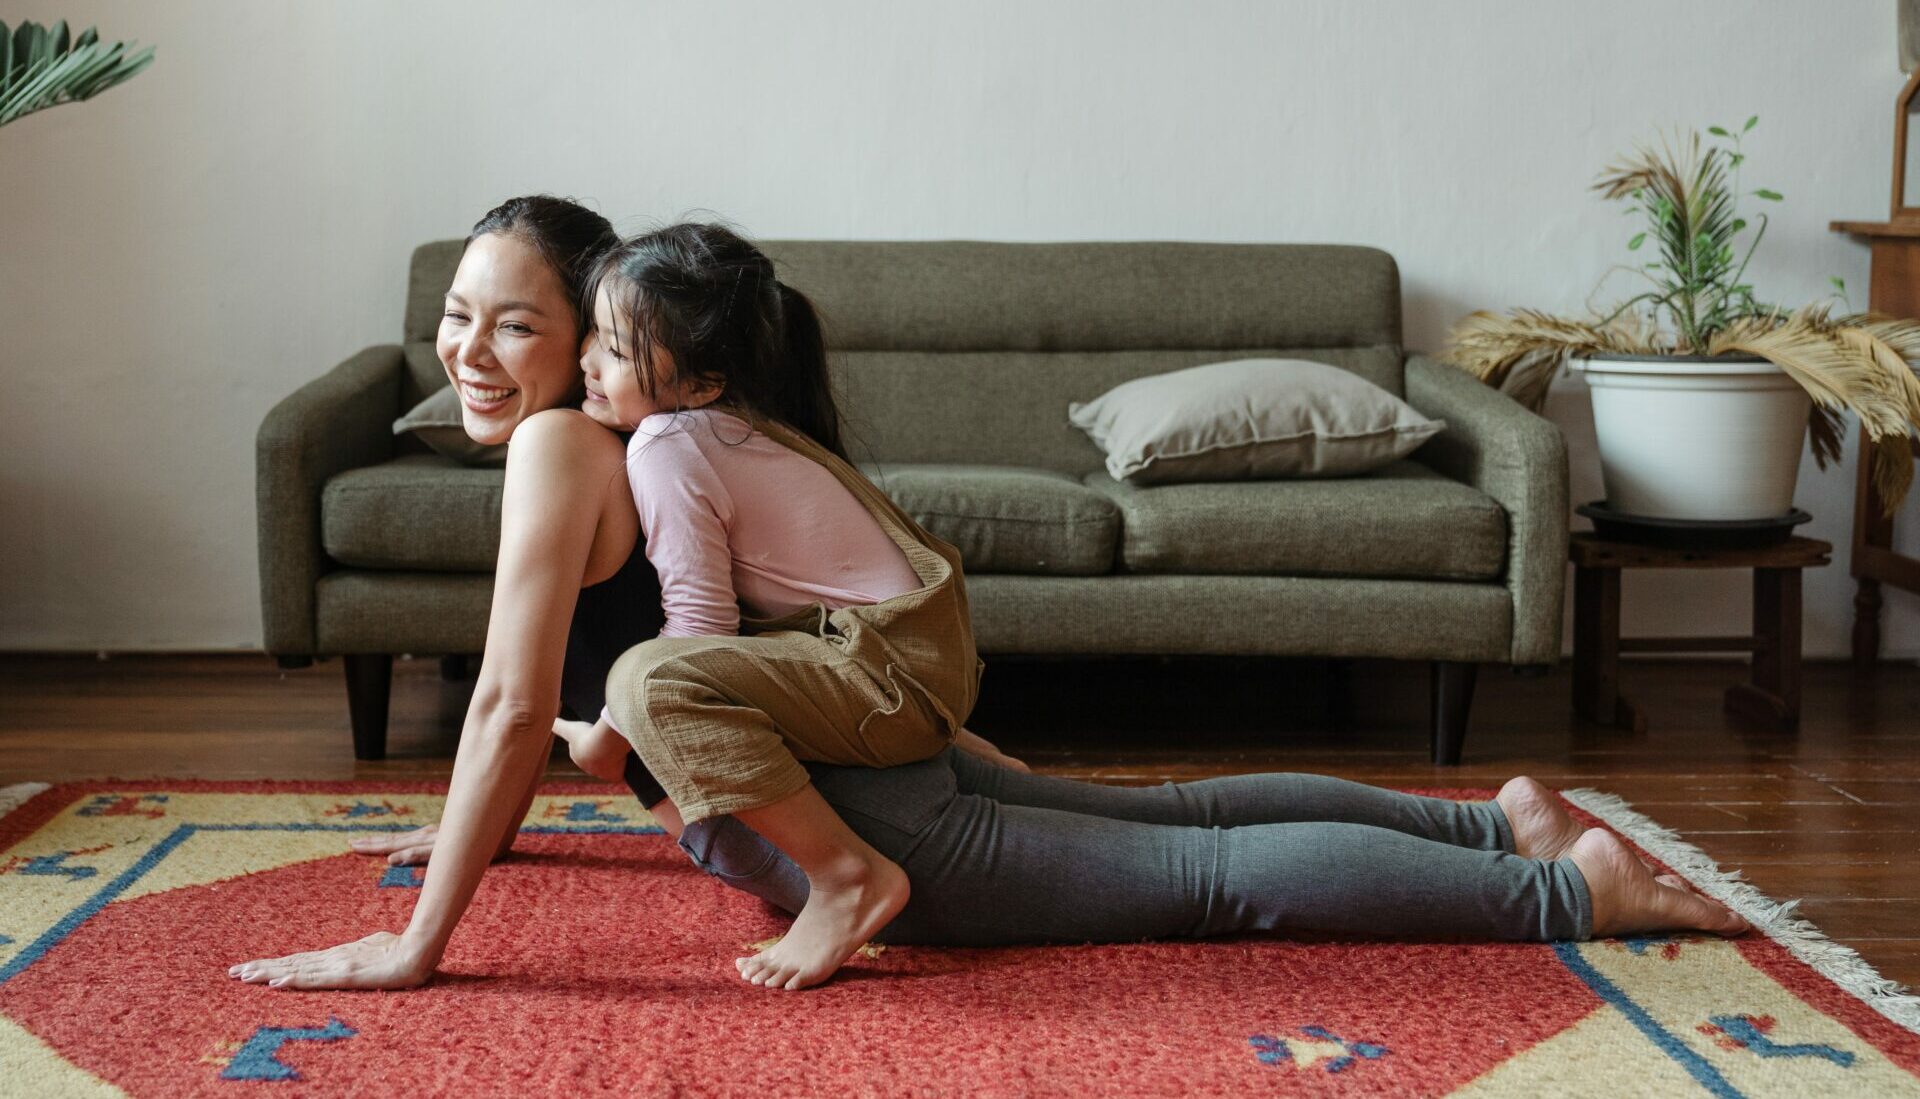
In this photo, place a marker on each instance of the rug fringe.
(13, 797)
(1838, 963)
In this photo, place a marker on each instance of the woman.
(994, 855)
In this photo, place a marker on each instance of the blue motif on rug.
(1750, 1032)
(124, 805)
(258, 1060)
(583, 811)
(403, 877)
(54, 865)
(361, 809)
(1274, 1051)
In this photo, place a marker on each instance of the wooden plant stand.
(1773, 696)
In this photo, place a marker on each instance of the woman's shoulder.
(561, 437)
(563, 466)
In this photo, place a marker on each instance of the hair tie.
(733, 291)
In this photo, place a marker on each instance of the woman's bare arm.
(558, 473)
(414, 847)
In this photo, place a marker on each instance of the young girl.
(857, 648)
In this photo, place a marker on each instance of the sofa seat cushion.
(1402, 520)
(1008, 519)
(421, 511)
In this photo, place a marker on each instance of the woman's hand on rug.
(415, 847)
(381, 960)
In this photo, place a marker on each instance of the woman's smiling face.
(508, 337)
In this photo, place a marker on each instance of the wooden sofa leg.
(1453, 682)
(369, 683)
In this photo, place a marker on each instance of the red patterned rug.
(598, 959)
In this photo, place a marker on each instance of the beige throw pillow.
(1250, 419)
(436, 422)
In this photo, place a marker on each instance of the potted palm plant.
(1703, 394)
(43, 67)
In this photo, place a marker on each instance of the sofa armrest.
(1519, 459)
(338, 421)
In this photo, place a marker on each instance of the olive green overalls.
(723, 721)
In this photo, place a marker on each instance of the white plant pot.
(1688, 437)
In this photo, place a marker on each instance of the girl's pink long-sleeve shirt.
(732, 519)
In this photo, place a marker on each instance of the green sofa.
(956, 361)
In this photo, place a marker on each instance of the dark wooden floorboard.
(1830, 814)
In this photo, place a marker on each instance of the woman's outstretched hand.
(381, 960)
(400, 848)
(413, 848)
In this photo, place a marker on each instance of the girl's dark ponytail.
(812, 409)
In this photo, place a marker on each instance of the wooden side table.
(1773, 696)
(1894, 289)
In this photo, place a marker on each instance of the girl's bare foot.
(598, 749)
(1542, 827)
(844, 909)
(1628, 898)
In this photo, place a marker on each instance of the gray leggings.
(999, 857)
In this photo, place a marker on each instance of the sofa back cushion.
(970, 351)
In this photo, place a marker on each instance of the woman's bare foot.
(598, 749)
(1542, 827)
(844, 909)
(1628, 898)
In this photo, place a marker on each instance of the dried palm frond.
(1520, 353)
(1842, 367)
(1662, 172)
(1833, 372)
(1896, 346)
(1892, 471)
(1826, 434)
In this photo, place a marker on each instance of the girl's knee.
(634, 675)
(660, 665)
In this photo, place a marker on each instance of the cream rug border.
(13, 797)
(1837, 963)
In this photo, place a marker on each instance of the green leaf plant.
(43, 67)
(1698, 302)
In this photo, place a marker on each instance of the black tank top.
(611, 617)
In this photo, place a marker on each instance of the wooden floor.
(1831, 815)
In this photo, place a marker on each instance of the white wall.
(189, 248)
